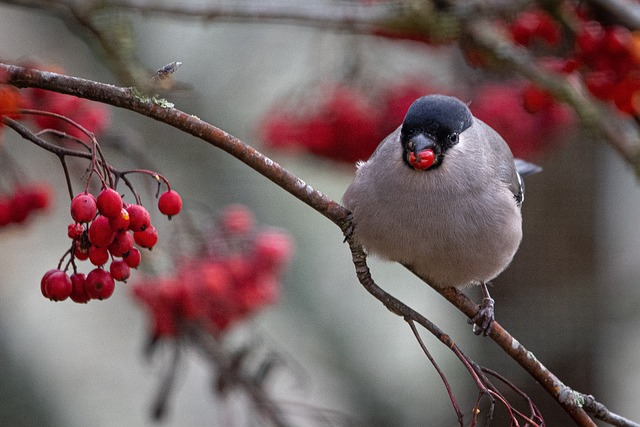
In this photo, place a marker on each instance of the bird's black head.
(433, 124)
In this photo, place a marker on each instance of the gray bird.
(441, 195)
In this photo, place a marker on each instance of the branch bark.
(130, 99)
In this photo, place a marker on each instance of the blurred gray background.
(571, 295)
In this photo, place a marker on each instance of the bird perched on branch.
(442, 195)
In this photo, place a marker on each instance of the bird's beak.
(421, 155)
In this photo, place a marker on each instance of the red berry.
(147, 238)
(120, 222)
(83, 207)
(99, 284)
(525, 27)
(272, 250)
(170, 203)
(100, 232)
(236, 219)
(535, 99)
(58, 286)
(132, 258)
(590, 38)
(75, 230)
(617, 40)
(78, 291)
(122, 243)
(600, 84)
(109, 203)
(79, 252)
(43, 281)
(39, 196)
(98, 255)
(119, 270)
(424, 160)
(139, 217)
(20, 207)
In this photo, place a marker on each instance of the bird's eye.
(453, 139)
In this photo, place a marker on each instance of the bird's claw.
(482, 321)
(348, 227)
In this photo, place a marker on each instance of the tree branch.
(128, 98)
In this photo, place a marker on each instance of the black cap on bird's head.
(433, 124)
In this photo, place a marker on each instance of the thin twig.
(459, 414)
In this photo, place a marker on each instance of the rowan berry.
(147, 238)
(170, 203)
(139, 218)
(109, 203)
(83, 207)
(99, 284)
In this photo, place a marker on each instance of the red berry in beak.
(425, 159)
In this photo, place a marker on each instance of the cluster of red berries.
(105, 228)
(341, 123)
(528, 119)
(501, 106)
(235, 276)
(535, 24)
(24, 201)
(607, 58)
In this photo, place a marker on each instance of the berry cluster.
(606, 58)
(535, 25)
(528, 118)
(105, 228)
(341, 123)
(501, 106)
(24, 201)
(237, 274)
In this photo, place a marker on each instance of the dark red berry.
(98, 255)
(83, 207)
(80, 252)
(147, 238)
(20, 207)
(170, 203)
(120, 222)
(109, 203)
(139, 217)
(58, 286)
(78, 291)
(43, 281)
(535, 99)
(122, 243)
(100, 232)
(120, 271)
(75, 230)
(132, 258)
(99, 284)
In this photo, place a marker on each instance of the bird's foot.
(482, 321)
(348, 227)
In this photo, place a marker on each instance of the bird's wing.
(504, 165)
